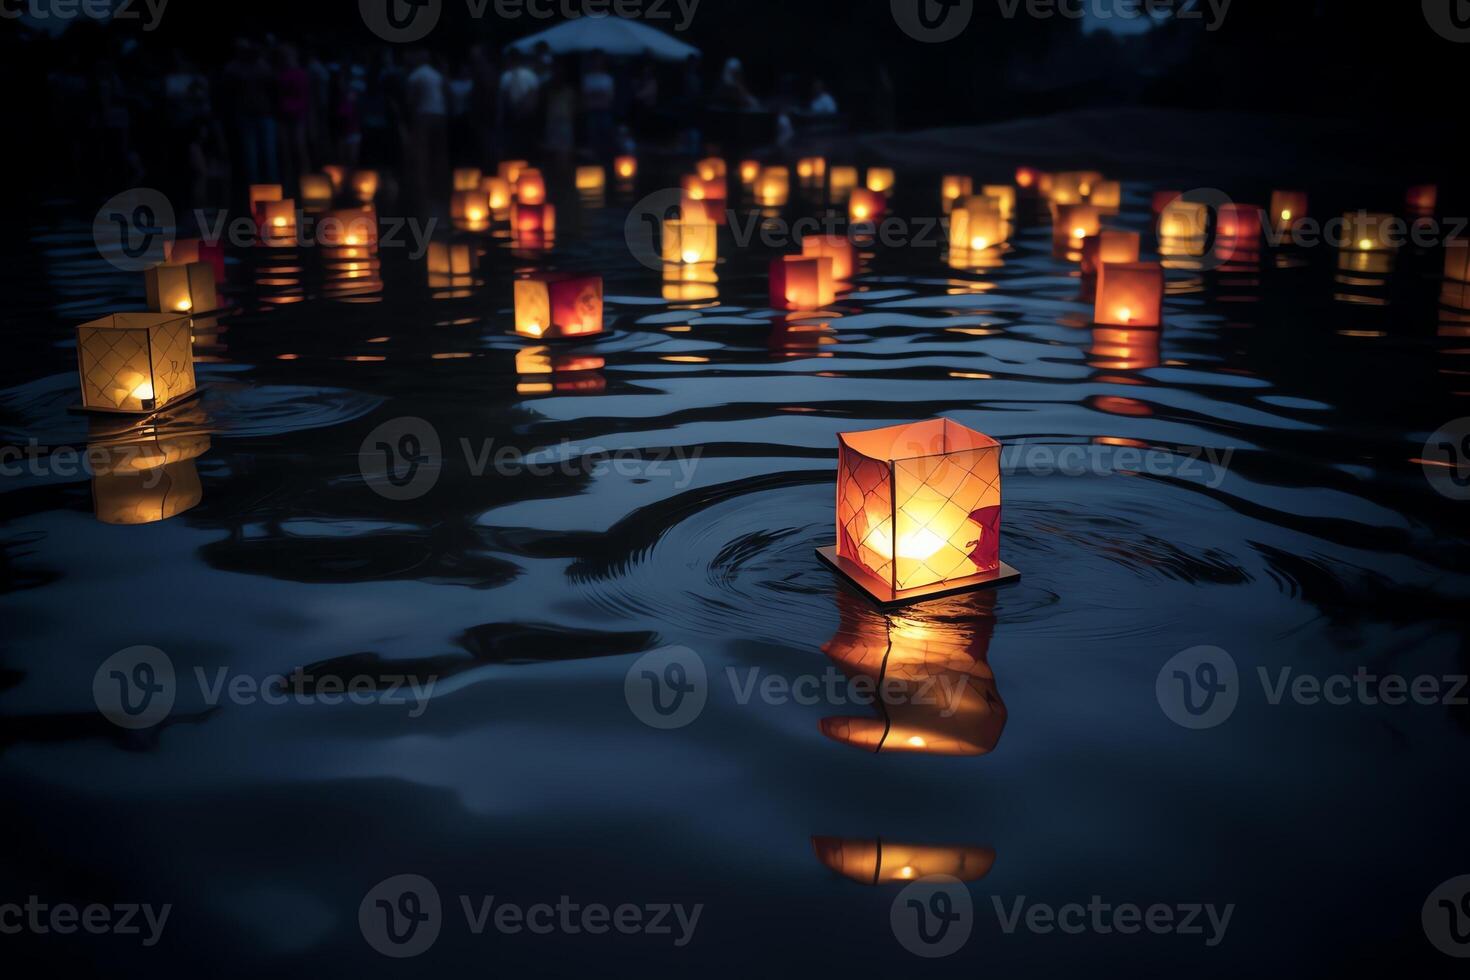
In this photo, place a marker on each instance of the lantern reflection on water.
(835, 247)
(918, 511)
(690, 283)
(880, 862)
(1457, 260)
(187, 288)
(1130, 294)
(800, 282)
(934, 690)
(543, 371)
(690, 242)
(144, 481)
(135, 362)
(556, 305)
(1124, 349)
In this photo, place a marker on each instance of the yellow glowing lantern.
(693, 187)
(316, 190)
(530, 187)
(450, 259)
(510, 170)
(533, 218)
(1073, 223)
(1027, 177)
(749, 171)
(591, 180)
(337, 174)
(812, 171)
(699, 211)
(690, 242)
(467, 178)
(1130, 294)
(773, 187)
(1107, 195)
(1457, 260)
(918, 511)
(277, 219)
(841, 181)
(710, 168)
(557, 305)
(626, 167)
(1366, 231)
(469, 207)
(875, 862)
(802, 282)
(880, 180)
(187, 288)
(976, 224)
(260, 193)
(497, 193)
(1072, 186)
(1004, 196)
(349, 229)
(365, 185)
(1287, 208)
(1108, 246)
(1181, 219)
(865, 205)
(952, 187)
(835, 247)
(135, 362)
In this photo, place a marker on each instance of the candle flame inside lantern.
(143, 392)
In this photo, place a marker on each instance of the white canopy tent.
(618, 37)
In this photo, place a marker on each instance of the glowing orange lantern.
(626, 167)
(1287, 208)
(365, 185)
(337, 174)
(260, 193)
(1108, 246)
(918, 511)
(1183, 219)
(555, 305)
(454, 259)
(875, 862)
(1366, 231)
(510, 170)
(277, 219)
(749, 171)
(1107, 195)
(1239, 221)
(497, 193)
(864, 205)
(1073, 223)
(834, 247)
(773, 187)
(1073, 186)
(1026, 177)
(1130, 294)
(316, 190)
(880, 180)
(187, 288)
(349, 228)
(135, 362)
(812, 171)
(841, 182)
(710, 168)
(699, 211)
(467, 178)
(533, 218)
(1457, 260)
(801, 282)
(531, 187)
(591, 180)
(690, 242)
(471, 207)
(976, 224)
(952, 187)
(1004, 196)
(1422, 199)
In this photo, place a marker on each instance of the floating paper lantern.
(865, 205)
(710, 168)
(1457, 260)
(277, 219)
(952, 187)
(530, 187)
(1073, 186)
(591, 180)
(471, 207)
(260, 193)
(454, 259)
(1287, 208)
(1366, 231)
(337, 174)
(750, 170)
(557, 305)
(533, 218)
(626, 167)
(773, 187)
(1239, 221)
(467, 178)
(976, 223)
(1004, 196)
(918, 511)
(835, 247)
(880, 180)
(1130, 294)
(1422, 199)
(316, 190)
(1107, 195)
(510, 170)
(497, 191)
(183, 251)
(135, 362)
(841, 181)
(349, 228)
(1026, 177)
(802, 282)
(187, 288)
(881, 862)
(365, 185)
(1073, 223)
(1183, 219)
(699, 211)
(690, 242)
(812, 171)
(1108, 246)
(699, 188)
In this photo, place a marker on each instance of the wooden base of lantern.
(886, 596)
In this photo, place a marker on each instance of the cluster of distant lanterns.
(918, 505)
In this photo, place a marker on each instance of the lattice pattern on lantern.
(467, 178)
(554, 305)
(690, 242)
(1367, 231)
(874, 862)
(177, 289)
(919, 504)
(835, 247)
(1457, 260)
(316, 191)
(135, 362)
(976, 223)
(1130, 294)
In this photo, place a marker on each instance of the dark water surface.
(1319, 546)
